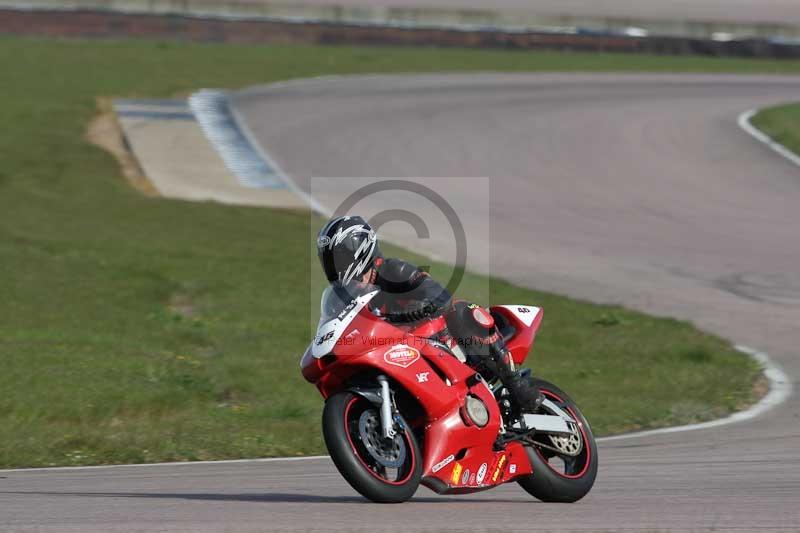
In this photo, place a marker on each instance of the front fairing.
(339, 307)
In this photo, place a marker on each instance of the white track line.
(780, 388)
(746, 124)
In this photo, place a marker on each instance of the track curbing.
(745, 122)
(230, 135)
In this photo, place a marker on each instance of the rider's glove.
(423, 309)
(413, 312)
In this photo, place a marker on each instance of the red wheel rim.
(586, 446)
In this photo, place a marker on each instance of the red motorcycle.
(402, 408)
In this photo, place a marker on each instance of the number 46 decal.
(527, 314)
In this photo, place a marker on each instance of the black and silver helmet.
(347, 247)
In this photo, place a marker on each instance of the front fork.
(382, 399)
(386, 408)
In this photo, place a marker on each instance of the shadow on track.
(269, 497)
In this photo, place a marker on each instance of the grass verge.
(136, 329)
(782, 123)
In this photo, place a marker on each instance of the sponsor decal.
(499, 468)
(401, 355)
(472, 479)
(465, 477)
(525, 313)
(512, 469)
(481, 473)
(328, 336)
(347, 308)
(456, 475)
(443, 463)
(422, 377)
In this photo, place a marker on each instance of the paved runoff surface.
(634, 189)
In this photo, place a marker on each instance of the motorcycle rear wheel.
(352, 432)
(558, 477)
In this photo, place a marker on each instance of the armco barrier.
(109, 24)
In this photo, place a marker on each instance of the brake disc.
(390, 453)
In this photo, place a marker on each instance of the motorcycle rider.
(348, 250)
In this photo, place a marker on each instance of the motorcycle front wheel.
(564, 468)
(382, 470)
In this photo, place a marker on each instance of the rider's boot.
(523, 391)
(474, 329)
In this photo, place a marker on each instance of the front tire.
(382, 471)
(565, 477)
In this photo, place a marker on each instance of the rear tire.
(350, 450)
(575, 480)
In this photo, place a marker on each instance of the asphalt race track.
(635, 189)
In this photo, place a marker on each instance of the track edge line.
(780, 388)
(744, 121)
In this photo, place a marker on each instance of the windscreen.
(337, 296)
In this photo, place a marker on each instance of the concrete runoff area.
(180, 162)
(632, 189)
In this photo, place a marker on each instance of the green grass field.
(782, 123)
(136, 329)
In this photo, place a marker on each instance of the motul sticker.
(401, 355)
(465, 477)
(481, 473)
